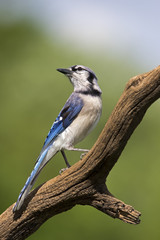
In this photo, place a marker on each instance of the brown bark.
(84, 183)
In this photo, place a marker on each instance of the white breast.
(84, 123)
(80, 127)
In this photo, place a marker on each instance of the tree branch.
(84, 182)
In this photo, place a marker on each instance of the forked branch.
(84, 182)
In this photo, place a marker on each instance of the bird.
(75, 121)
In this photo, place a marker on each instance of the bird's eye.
(79, 69)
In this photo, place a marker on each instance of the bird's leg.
(80, 150)
(72, 149)
(66, 161)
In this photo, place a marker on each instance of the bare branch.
(84, 182)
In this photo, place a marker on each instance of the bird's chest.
(86, 119)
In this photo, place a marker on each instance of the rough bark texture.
(84, 182)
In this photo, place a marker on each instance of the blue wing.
(68, 113)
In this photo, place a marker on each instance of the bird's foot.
(62, 170)
(82, 155)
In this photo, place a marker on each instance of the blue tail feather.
(30, 181)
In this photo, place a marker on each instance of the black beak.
(64, 70)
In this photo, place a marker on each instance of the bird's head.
(82, 78)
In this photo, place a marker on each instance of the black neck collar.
(92, 92)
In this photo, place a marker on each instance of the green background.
(32, 93)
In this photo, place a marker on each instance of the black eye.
(79, 69)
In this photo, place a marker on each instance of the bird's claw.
(82, 155)
(62, 170)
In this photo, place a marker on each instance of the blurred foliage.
(31, 95)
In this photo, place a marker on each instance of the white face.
(83, 79)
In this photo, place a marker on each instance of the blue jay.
(77, 118)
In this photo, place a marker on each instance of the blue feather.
(30, 181)
(68, 113)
